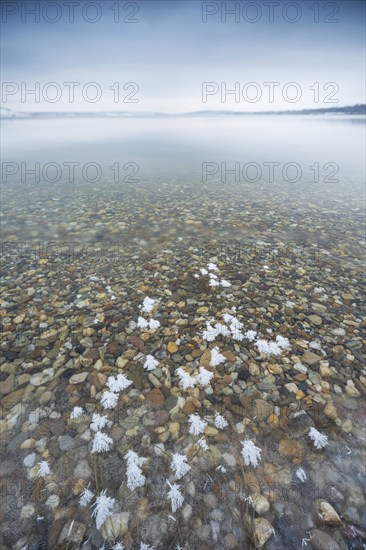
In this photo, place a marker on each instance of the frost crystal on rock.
(197, 425)
(109, 399)
(203, 271)
(135, 477)
(142, 323)
(148, 304)
(268, 348)
(250, 453)
(250, 335)
(101, 443)
(144, 546)
(227, 317)
(44, 469)
(204, 376)
(179, 465)
(216, 357)
(118, 546)
(220, 421)
(225, 283)
(103, 508)
(320, 440)
(300, 473)
(222, 329)
(118, 383)
(283, 342)
(98, 422)
(186, 379)
(150, 363)
(212, 267)
(154, 324)
(86, 497)
(76, 412)
(210, 333)
(202, 443)
(175, 496)
(213, 282)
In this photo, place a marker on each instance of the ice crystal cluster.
(320, 440)
(197, 425)
(103, 508)
(175, 496)
(135, 477)
(76, 412)
(44, 469)
(102, 443)
(150, 363)
(213, 278)
(251, 454)
(86, 497)
(179, 465)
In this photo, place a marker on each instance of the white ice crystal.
(103, 508)
(98, 422)
(268, 348)
(225, 283)
(186, 379)
(148, 304)
(86, 497)
(118, 383)
(150, 363)
(197, 425)
(175, 496)
(227, 317)
(44, 469)
(109, 399)
(101, 443)
(216, 357)
(118, 546)
(179, 465)
(135, 477)
(154, 324)
(202, 443)
(204, 376)
(213, 282)
(221, 468)
(212, 267)
(222, 329)
(250, 453)
(203, 271)
(283, 342)
(250, 335)
(220, 421)
(142, 323)
(236, 334)
(76, 412)
(210, 333)
(144, 546)
(300, 473)
(212, 276)
(320, 440)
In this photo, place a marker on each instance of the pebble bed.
(70, 322)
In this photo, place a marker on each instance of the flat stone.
(291, 447)
(326, 513)
(172, 347)
(321, 541)
(156, 397)
(115, 526)
(66, 443)
(315, 320)
(263, 530)
(78, 378)
(8, 385)
(310, 358)
(41, 378)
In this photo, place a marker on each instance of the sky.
(181, 56)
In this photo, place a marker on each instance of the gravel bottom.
(70, 322)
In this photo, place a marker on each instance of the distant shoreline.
(8, 114)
